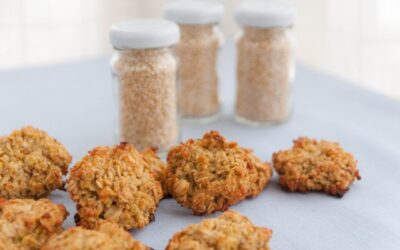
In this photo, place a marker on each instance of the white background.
(354, 39)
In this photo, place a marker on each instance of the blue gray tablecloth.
(74, 103)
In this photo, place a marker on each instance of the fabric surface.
(74, 103)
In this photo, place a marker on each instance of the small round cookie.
(27, 224)
(312, 165)
(105, 236)
(210, 174)
(31, 164)
(231, 231)
(157, 166)
(114, 183)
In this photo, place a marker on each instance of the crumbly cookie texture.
(26, 224)
(104, 236)
(157, 167)
(116, 184)
(313, 165)
(231, 231)
(31, 164)
(210, 174)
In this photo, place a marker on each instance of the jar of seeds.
(197, 52)
(144, 70)
(265, 62)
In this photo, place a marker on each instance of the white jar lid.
(144, 34)
(194, 12)
(264, 14)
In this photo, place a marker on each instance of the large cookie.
(210, 174)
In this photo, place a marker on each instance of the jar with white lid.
(197, 52)
(144, 70)
(265, 62)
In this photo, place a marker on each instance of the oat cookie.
(31, 164)
(230, 231)
(114, 183)
(157, 166)
(26, 224)
(105, 236)
(312, 165)
(210, 174)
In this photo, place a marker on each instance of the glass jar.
(197, 52)
(144, 70)
(265, 63)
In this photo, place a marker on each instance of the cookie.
(231, 231)
(27, 224)
(312, 165)
(115, 184)
(157, 167)
(31, 164)
(211, 174)
(104, 236)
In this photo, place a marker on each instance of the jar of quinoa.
(197, 52)
(265, 62)
(144, 70)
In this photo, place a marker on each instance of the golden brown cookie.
(114, 183)
(157, 166)
(210, 174)
(26, 224)
(312, 165)
(105, 236)
(31, 164)
(230, 231)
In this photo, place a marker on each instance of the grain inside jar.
(265, 63)
(145, 75)
(147, 96)
(263, 75)
(197, 52)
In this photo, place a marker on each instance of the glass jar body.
(264, 72)
(145, 82)
(197, 52)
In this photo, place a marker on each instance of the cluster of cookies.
(118, 188)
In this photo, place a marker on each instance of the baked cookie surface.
(230, 231)
(27, 224)
(157, 167)
(312, 165)
(210, 174)
(104, 236)
(115, 184)
(31, 164)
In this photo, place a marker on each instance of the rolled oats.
(210, 174)
(32, 164)
(105, 236)
(27, 224)
(312, 165)
(231, 230)
(114, 184)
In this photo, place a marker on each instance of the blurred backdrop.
(358, 40)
